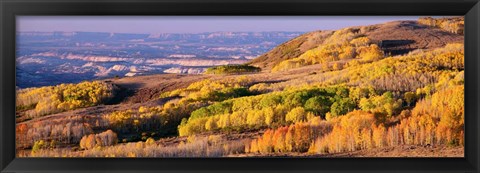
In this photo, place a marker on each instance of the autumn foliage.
(106, 138)
(356, 98)
(269, 110)
(345, 44)
(434, 121)
(453, 24)
(64, 97)
(293, 138)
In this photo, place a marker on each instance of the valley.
(52, 57)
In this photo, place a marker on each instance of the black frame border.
(11, 8)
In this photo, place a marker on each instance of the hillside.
(394, 38)
(386, 90)
(290, 49)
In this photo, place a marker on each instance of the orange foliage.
(294, 138)
(106, 138)
(436, 120)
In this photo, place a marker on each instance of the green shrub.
(232, 69)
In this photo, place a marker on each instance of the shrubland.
(232, 69)
(282, 108)
(163, 120)
(204, 146)
(433, 121)
(376, 116)
(452, 24)
(42, 101)
(405, 73)
(342, 45)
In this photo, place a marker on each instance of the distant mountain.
(208, 37)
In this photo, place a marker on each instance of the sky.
(195, 24)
